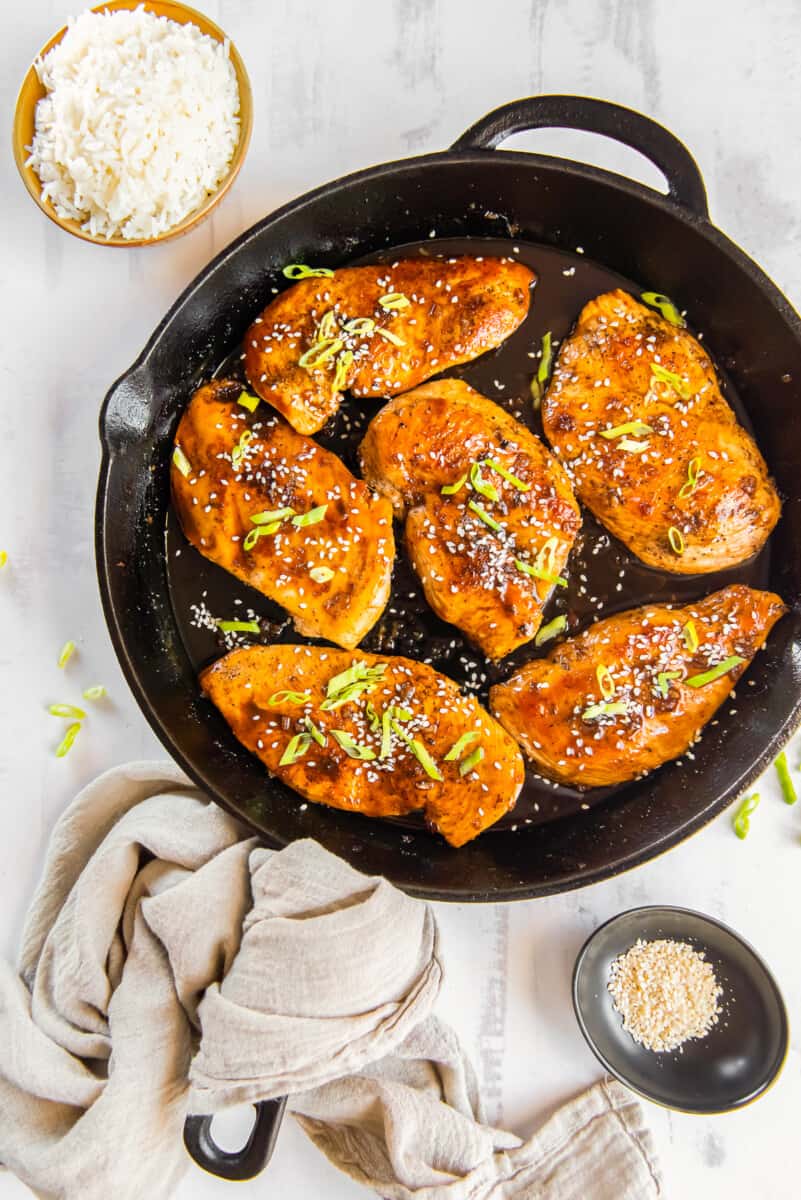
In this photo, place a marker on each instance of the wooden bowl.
(32, 91)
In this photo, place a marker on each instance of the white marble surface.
(337, 87)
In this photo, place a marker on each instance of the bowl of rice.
(133, 122)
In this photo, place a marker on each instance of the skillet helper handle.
(236, 1164)
(665, 151)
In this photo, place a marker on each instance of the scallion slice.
(788, 787)
(742, 822)
(66, 710)
(663, 682)
(258, 532)
(479, 484)
(251, 403)
(67, 651)
(312, 517)
(536, 572)
(69, 737)
(689, 487)
(372, 717)
(327, 327)
(320, 352)
(501, 470)
(548, 632)
(461, 744)
(722, 668)
(637, 428)
(288, 697)
(418, 750)
(316, 733)
(631, 446)
(96, 692)
(360, 326)
(394, 301)
(386, 733)
(676, 539)
(352, 749)
(296, 747)
(343, 366)
(321, 574)
(690, 637)
(616, 709)
(238, 626)
(484, 516)
(272, 516)
(182, 462)
(450, 489)
(546, 358)
(349, 684)
(679, 386)
(301, 271)
(389, 336)
(666, 307)
(605, 681)
(472, 760)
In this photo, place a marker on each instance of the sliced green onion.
(546, 358)
(316, 733)
(272, 515)
(288, 697)
(372, 717)
(301, 271)
(400, 713)
(472, 760)
(631, 446)
(393, 301)
(676, 540)
(321, 574)
(251, 403)
(346, 686)
(67, 651)
(666, 307)
(450, 489)
(296, 747)
(239, 449)
(461, 744)
(351, 748)
(312, 517)
(663, 682)
(182, 462)
(536, 392)
(418, 750)
(722, 668)
(96, 692)
(616, 709)
(690, 637)
(742, 822)
(328, 327)
(3, 558)
(499, 469)
(69, 737)
(238, 626)
(389, 336)
(536, 572)
(676, 382)
(783, 771)
(479, 484)
(360, 326)
(66, 710)
(489, 521)
(343, 366)
(637, 428)
(548, 632)
(259, 531)
(320, 352)
(605, 681)
(386, 733)
(689, 487)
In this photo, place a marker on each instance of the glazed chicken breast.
(635, 412)
(379, 330)
(282, 514)
(377, 735)
(635, 690)
(490, 514)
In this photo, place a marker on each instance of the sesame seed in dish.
(666, 992)
(139, 123)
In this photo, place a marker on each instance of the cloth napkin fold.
(169, 964)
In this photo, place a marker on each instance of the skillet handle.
(665, 151)
(236, 1164)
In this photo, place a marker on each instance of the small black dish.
(734, 1064)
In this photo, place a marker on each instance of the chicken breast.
(490, 553)
(376, 735)
(380, 330)
(635, 412)
(282, 514)
(635, 690)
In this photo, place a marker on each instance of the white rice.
(139, 123)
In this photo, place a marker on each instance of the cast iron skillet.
(548, 207)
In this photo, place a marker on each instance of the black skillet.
(583, 230)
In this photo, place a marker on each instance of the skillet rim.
(576, 877)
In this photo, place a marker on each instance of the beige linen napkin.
(170, 965)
